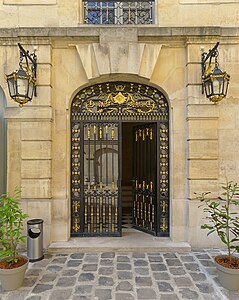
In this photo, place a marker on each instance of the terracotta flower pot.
(12, 279)
(228, 277)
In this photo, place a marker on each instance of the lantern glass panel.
(30, 90)
(12, 87)
(208, 87)
(22, 86)
(225, 86)
(217, 85)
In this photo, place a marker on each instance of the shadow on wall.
(3, 144)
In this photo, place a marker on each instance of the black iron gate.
(97, 114)
(144, 178)
(101, 179)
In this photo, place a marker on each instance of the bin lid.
(34, 221)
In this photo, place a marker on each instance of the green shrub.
(11, 218)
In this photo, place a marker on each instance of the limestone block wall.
(117, 56)
(213, 135)
(204, 138)
(30, 140)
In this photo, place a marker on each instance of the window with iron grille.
(119, 12)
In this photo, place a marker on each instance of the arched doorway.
(103, 117)
(3, 144)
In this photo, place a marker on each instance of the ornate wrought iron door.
(97, 114)
(101, 172)
(144, 183)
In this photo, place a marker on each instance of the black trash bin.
(35, 240)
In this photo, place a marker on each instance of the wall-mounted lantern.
(22, 82)
(214, 81)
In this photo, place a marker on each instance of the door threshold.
(131, 241)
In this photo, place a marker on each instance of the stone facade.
(204, 137)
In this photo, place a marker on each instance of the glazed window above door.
(126, 12)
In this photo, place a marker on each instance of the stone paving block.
(106, 281)
(207, 263)
(205, 288)
(198, 276)
(103, 294)
(40, 288)
(60, 260)
(33, 272)
(155, 259)
(106, 262)
(143, 281)
(123, 259)
(33, 298)
(82, 297)
(177, 271)
(108, 255)
(212, 271)
(90, 267)
(169, 297)
(91, 259)
(124, 286)
(188, 294)
(54, 269)
(192, 267)
(140, 263)
(124, 296)
(105, 271)
(146, 294)
(161, 276)
(60, 294)
(83, 289)
(77, 255)
(170, 255)
(164, 286)
(183, 281)
(142, 271)
(74, 263)
(122, 275)
(66, 281)
(203, 256)
(158, 267)
(48, 277)
(41, 264)
(86, 277)
(29, 282)
(173, 262)
(138, 255)
(187, 258)
(70, 272)
(123, 266)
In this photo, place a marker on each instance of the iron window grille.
(119, 12)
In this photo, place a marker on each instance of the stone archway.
(98, 111)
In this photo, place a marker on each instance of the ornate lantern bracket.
(22, 82)
(214, 81)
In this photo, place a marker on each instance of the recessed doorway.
(119, 160)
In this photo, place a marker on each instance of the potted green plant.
(12, 265)
(223, 219)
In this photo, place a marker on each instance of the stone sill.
(95, 31)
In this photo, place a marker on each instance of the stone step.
(132, 240)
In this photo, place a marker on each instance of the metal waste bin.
(35, 240)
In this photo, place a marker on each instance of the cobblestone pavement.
(123, 276)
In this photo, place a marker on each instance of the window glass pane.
(119, 12)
